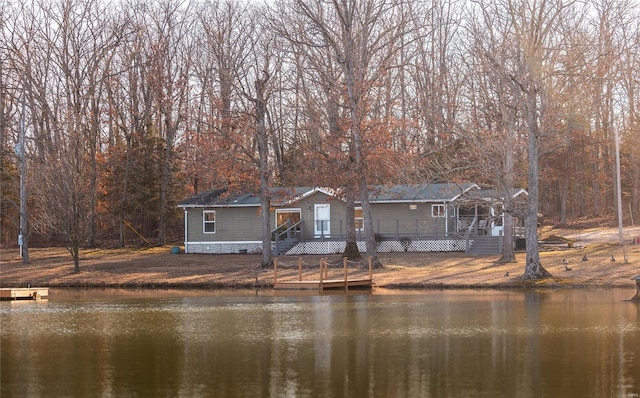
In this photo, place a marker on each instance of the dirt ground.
(158, 268)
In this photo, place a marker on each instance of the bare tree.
(532, 30)
(69, 51)
(497, 111)
(171, 64)
(255, 79)
(535, 29)
(359, 35)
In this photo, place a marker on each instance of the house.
(311, 220)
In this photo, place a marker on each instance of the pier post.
(275, 271)
(326, 269)
(300, 269)
(346, 281)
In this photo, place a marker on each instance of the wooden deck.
(24, 293)
(323, 282)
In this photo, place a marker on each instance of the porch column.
(186, 230)
(446, 219)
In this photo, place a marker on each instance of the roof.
(436, 192)
(223, 198)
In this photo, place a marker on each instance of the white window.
(438, 211)
(322, 219)
(209, 221)
(287, 218)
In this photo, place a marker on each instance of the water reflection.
(113, 343)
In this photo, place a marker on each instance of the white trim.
(520, 191)
(324, 190)
(417, 201)
(235, 242)
(217, 206)
(286, 210)
(473, 185)
(442, 214)
(204, 222)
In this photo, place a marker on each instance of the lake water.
(431, 343)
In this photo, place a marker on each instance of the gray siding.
(391, 219)
(232, 225)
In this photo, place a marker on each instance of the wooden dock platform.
(24, 293)
(322, 285)
(323, 282)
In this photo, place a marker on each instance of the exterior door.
(322, 218)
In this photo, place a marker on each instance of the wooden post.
(326, 269)
(300, 269)
(346, 284)
(370, 271)
(321, 271)
(275, 271)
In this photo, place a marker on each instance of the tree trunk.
(263, 151)
(533, 268)
(356, 117)
(94, 133)
(372, 245)
(564, 193)
(166, 181)
(508, 249)
(125, 189)
(74, 250)
(635, 187)
(351, 251)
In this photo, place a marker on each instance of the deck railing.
(396, 229)
(287, 232)
(400, 230)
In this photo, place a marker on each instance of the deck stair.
(484, 245)
(283, 246)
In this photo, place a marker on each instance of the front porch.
(400, 235)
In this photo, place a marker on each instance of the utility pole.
(22, 237)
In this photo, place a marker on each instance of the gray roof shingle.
(436, 192)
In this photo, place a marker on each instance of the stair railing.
(288, 233)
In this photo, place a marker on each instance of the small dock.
(24, 293)
(344, 282)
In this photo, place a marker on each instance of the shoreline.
(159, 268)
